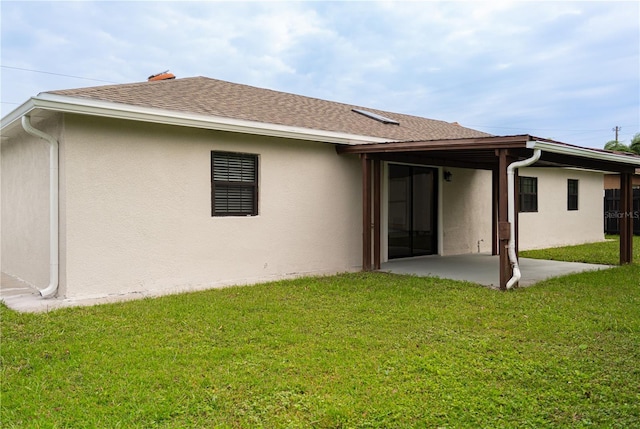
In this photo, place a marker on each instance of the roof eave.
(583, 152)
(86, 106)
(13, 117)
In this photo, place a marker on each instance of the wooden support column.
(626, 221)
(366, 212)
(516, 205)
(494, 211)
(377, 185)
(503, 215)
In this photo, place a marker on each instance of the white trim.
(109, 109)
(583, 152)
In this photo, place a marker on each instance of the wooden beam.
(494, 210)
(446, 144)
(516, 204)
(366, 212)
(503, 222)
(377, 185)
(424, 158)
(626, 221)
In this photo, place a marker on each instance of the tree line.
(633, 147)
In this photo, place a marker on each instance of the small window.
(572, 194)
(528, 194)
(234, 184)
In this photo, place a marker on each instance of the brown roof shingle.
(205, 96)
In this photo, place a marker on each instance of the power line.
(538, 129)
(57, 74)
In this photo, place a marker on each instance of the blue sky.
(569, 71)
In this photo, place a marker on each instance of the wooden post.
(494, 211)
(366, 212)
(626, 221)
(377, 184)
(516, 205)
(503, 222)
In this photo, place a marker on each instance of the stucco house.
(184, 184)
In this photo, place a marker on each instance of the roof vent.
(165, 75)
(377, 117)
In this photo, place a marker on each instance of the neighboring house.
(196, 183)
(612, 181)
(612, 212)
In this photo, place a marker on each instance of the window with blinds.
(528, 194)
(234, 184)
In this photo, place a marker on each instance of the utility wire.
(56, 74)
(539, 129)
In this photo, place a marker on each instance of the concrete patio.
(482, 268)
(477, 268)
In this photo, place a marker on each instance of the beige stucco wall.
(466, 211)
(466, 207)
(553, 224)
(24, 239)
(138, 210)
(612, 181)
(135, 210)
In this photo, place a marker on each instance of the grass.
(606, 252)
(350, 351)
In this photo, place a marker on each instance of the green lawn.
(350, 351)
(606, 252)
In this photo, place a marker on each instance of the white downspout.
(52, 289)
(511, 216)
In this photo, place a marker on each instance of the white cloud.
(543, 65)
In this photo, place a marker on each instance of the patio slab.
(477, 268)
(482, 268)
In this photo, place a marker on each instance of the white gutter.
(108, 109)
(52, 289)
(511, 216)
(584, 152)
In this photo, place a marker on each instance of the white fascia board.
(583, 152)
(16, 114)
(84, 106)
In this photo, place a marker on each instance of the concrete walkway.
(482, 268)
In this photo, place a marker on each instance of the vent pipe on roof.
(165, 75)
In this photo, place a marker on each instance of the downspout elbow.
(511, 247)
(52, 289)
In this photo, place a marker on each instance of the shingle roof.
(205, 96)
